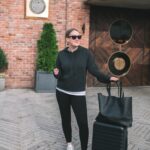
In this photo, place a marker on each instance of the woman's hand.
(114, 79)
(56, 71)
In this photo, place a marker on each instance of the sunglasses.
(75, 37)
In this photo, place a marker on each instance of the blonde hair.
(69, 31)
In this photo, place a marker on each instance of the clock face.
(37, 6)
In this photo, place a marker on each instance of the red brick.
(19, 35)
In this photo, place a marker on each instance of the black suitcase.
(109, 137)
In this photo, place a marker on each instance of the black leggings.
(78, 103)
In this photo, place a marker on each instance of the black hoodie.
(73, 67)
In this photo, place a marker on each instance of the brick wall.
(18, 35)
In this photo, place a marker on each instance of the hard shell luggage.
(109, 137)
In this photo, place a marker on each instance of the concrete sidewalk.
(31, 121)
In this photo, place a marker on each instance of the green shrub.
(47, 49)
(3, 61)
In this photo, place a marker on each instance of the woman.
(71, 67)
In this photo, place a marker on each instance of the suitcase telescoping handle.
(119, 85)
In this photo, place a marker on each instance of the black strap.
(119, 85)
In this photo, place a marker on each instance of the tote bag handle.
(120, 91)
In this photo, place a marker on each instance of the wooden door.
(138, 48)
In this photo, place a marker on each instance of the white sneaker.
(70, 147)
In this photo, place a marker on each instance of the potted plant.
(3, 67)
(47, 51)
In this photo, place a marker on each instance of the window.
(121, 31)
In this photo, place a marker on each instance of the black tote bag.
(115, 109)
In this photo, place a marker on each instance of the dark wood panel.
(138, 48)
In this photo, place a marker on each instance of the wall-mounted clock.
(37, 8)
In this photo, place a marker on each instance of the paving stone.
(31, 121)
